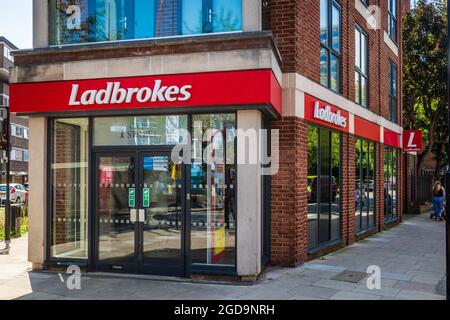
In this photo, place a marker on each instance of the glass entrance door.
(161, 188)
(139, 213)
(116, 213)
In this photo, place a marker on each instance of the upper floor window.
(4, 100)
(361, 73)
(18, 154)
(83, 21)
(392, 92)
(7, 53)
(392, 19)
(365, 2)
(19, 131)
(330, 44)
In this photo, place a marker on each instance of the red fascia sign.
(412, 140)
(392, 138)
(366, 129)
(323, 113)
(256, 87)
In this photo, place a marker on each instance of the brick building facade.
(19, 125)
(324, 73)
(296, 27)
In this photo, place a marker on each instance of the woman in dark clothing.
(438, 200)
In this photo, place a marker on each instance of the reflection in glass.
(213, 190)
(334, 72)
(80, 21)
(116, 177)
(358, 185)
(371, 185)
(227, 15)
(313, 143)
(161, 199)
(324, 186)
(324, 67)
(365, 185)
(357, 87)
(336, 27)
(69, 188)
(192, 17)
(390, 184)
(324, 200)
(140, 130)
(324, 21)
(335, 186)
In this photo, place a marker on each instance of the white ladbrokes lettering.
(115, 94)
(325, 114)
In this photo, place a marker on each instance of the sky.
(16, 22)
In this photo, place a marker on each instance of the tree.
(425, 76)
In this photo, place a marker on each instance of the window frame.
(89, 261)
(362, 73)
(389, 163)
(18, 154)
(361, 169)
(365, 2)
(4, 100)
(392, 20)
(207, 27)
(328, 46)
(321, 245)
(393, 91)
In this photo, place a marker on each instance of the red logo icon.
(412, 140)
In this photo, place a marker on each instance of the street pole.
(8, 195)
(447, 174)
(6, 145)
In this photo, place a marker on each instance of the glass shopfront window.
(69, 189)
(390, 184)
(324, 194)
(213, 190)
(127, 153)
(81, 21)
(365, 185)
(140, 130)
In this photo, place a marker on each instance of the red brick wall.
(296, 28)
(288, 196)
(379, 203)
(348, 188)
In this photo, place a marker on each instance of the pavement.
(410, 258)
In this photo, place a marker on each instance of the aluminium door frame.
(95, 233)
(139, 152)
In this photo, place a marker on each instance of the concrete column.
(38, 195)
(251, 15)
(249, 216)
(40, 24)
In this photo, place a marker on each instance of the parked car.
(18, 193)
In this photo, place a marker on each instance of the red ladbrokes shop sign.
(186, 90)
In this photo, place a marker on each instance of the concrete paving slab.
(322, 267)
(383, 291)
(415, 286)
(352, 295)
(334, 284)
(418, 295)
(412, 267)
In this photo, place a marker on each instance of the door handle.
(210, 15)
(141, 215)
(133, 215)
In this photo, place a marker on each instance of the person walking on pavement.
(438, 200)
